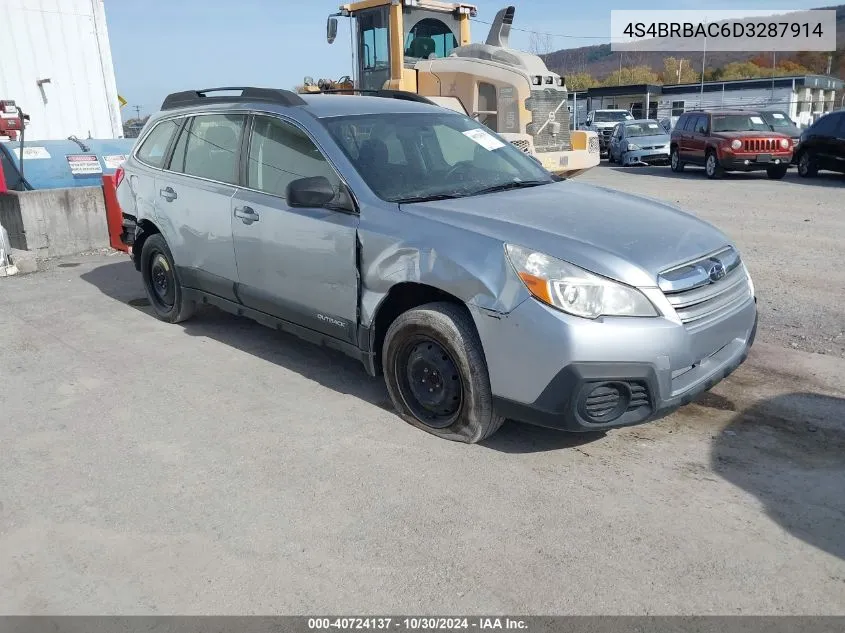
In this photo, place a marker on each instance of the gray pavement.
(219, 467)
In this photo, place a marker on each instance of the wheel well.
(145, 229)
(401, 298)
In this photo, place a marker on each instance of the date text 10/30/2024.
(416, 624)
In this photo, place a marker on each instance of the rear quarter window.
(153, 150)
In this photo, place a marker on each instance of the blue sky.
(161, 46)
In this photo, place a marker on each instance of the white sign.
(31, 153)
(84, 164)
(113, 162)
(757, 120)
(487, 141)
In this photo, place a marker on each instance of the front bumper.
(549, 369)
(646, 157)
(756, 162)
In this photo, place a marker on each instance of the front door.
(297, 264)
(698, 139)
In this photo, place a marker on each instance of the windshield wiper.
(520, 184)
(431, 198)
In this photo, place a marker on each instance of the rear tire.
(807, 167)
(776, 173)
(161, 283)
(436, 373)
(712, 167)
(675, 161)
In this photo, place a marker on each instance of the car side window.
(839, 131)
(687, 123)
(154, 148)
(280, 153)
(827, 125)
(208, 147)
(701, 124)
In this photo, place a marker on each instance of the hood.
(750, 134)
(627, 238)
(654, 139)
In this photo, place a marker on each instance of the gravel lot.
(220, 467)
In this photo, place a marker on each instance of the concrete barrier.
(55, 222)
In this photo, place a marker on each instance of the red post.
(3, 188)
(114, 216)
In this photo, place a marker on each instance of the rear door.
(137, 194)
(194, 199)
(682, 131)
(297, 264)
(837, 151)
(698, 139)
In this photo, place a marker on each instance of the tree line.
(681, 71)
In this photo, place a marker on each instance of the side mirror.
(312, 192)
(331, 30)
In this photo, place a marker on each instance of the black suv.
(823, 145)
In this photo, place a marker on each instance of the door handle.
(247, 215)
(168, 194)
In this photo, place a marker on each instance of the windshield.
(739, 123)
(614, 116)
(779, 121)
(414, 157)
(644, 128)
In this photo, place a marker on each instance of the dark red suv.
(729, 140)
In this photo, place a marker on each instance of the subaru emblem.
(716, 271)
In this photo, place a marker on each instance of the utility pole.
(703, 65)
(137, 112)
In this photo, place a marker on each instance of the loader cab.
(391, 37)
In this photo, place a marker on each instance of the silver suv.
(418, 241)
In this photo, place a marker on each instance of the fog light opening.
(604, 402)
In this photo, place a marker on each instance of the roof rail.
(402, 95)
(200, 97)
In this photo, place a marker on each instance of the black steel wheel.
(162, 283)
(429, 382)
(436, 373)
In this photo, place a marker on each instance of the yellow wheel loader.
(424, 47)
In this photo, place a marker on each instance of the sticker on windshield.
(757, 120)
(777, 115)
(487, 141)
(652, 126)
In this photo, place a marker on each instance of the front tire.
(807, 167)
(161, 283)
(436, 373)
(776, 173)
(675, 161)
(712, 167)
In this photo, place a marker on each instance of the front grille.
(707, 289)
(542, 104)
(761, 144)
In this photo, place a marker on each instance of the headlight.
(784, 143)
(750, 282)
(736, 144)
(633, 147)
(574, 290)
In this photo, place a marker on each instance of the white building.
(55, 63)
(804, 98)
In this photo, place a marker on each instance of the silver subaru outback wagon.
(418, 241)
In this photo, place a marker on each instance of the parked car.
(639, 142)
(823, 145)
(729, 140)
(779, 121)
(603, 122)
(416, 240)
